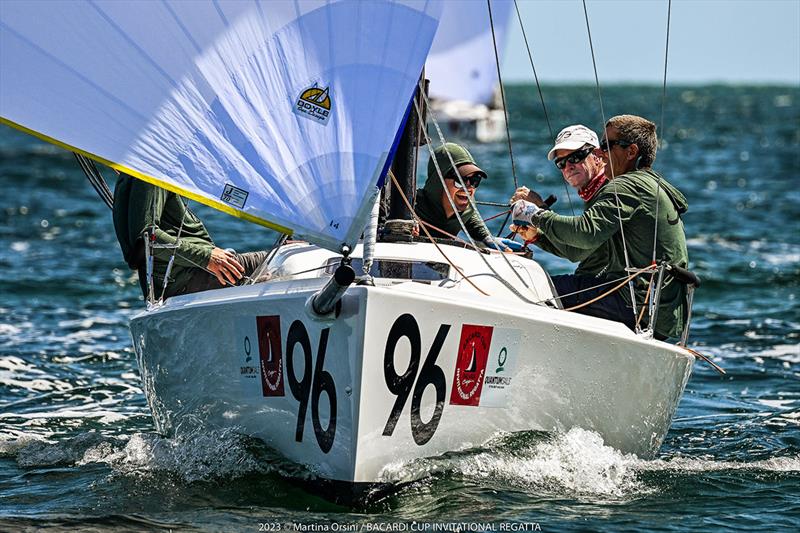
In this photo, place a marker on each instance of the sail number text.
(414, 380)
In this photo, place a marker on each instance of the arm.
(145, 210)
(476, 227)
(533, 235)
(595, 226)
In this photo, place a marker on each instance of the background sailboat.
(462, 69)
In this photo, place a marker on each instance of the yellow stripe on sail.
(225, 208)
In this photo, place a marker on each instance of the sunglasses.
(575, 157)
(473, 180)
(606, 145)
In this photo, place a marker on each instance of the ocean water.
(78, 449)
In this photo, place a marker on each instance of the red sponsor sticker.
(473, 351)
(270, 354)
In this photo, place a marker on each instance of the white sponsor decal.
(501, 367)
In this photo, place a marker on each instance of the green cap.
(458, 153)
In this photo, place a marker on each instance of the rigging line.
(96, 179)
(492, 204)
(535, 76)
(610, 162)
(175, 249)
(663, 130)
(541, 98)
(502, 96)
(472, 204)
(593, 287)
(414, 214)
(429, 144)
(610, 291)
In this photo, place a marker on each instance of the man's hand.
(496, 243)
(522, 213)
(524, 193)
(225, 267)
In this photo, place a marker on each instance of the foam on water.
(200, 457)
(576, 464)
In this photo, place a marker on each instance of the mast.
(404, 164)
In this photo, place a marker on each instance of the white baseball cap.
(572, 138)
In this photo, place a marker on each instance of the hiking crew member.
(615, 179)
(198, 265)
(433, 205)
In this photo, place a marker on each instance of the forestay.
(461, 65)
(283, 113)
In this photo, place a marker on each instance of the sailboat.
(287, 115)
(462, 69)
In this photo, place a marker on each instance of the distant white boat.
(462, 70)
(285, 114)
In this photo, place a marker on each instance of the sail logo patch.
(314, 103)
(234, 196)
(270, 354)
(473, 355)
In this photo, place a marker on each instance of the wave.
(576, 463)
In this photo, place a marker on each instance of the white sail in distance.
(461, 64)
(283, 113)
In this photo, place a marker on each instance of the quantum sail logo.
(314, 103)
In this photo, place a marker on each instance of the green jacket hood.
(460, 156)
(429, 198)
(675, 195)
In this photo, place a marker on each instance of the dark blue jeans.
(611, 307)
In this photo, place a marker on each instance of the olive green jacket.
(595, 239)
(429, 198)
(138, 206)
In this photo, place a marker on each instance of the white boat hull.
(404, 371)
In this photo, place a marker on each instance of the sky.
(733, 41)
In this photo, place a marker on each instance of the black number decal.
(323, 382)
(303, 388)
(401, 384)
(429, 375)
(300, 389)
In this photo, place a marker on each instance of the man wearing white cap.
(617, 228)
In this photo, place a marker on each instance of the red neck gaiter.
(588, 191)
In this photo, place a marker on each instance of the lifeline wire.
(541, 98)
(616, 196)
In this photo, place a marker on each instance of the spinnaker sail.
(281, 112)
(461, 64)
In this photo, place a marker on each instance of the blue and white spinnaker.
(282, 112)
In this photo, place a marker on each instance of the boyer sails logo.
(473, 354)
(314, 103)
